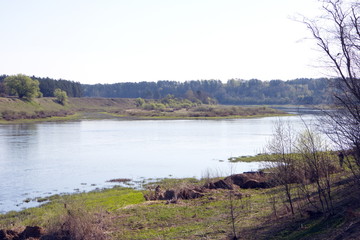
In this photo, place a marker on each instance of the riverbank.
(13, 110)
(123, 213)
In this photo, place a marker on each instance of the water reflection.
(17, 145)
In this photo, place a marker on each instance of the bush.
(61, 96)
(139, 102)
(154, 106)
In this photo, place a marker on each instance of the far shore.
(15, 111)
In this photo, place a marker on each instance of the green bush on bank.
(61, 96)
(168, 103)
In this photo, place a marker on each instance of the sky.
(109, 41)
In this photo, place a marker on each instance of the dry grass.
(77, 223)
(14, 108)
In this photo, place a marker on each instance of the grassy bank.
(255, 158)
(270, 157)
(13, 110)
(122, 213)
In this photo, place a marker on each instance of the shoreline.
(144, 214)
(138, 184)
(16, 111)
(80, 117)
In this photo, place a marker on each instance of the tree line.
(234, 91)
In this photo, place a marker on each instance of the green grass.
(109, 199)
(319, 228)
(184, 220)
(133, 218)
(37, 104)
(268, 157)
(255, 158)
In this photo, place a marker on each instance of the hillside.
(14, 109)
(41, 108)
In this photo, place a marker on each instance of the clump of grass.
(78, 223)
(256, 158)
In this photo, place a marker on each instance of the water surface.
(43, 159)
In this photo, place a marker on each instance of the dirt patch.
(30, 232)
(174, 194)
(220, 184)
(248, 180)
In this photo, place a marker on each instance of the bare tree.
(233, 215)
(317, 166)
(282, 146)
(337, 34)
(299, 162)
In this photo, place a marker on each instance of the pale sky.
(108, 41)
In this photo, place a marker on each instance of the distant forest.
(48, 86)
(234, 91)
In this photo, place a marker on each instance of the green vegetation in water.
(264, 157)
(256, 158)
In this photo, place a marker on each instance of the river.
(42, 159)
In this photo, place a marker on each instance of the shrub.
(61, 96)
(154, 106)
(139, 102)
(149, 106)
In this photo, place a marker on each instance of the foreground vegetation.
(122, 213)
